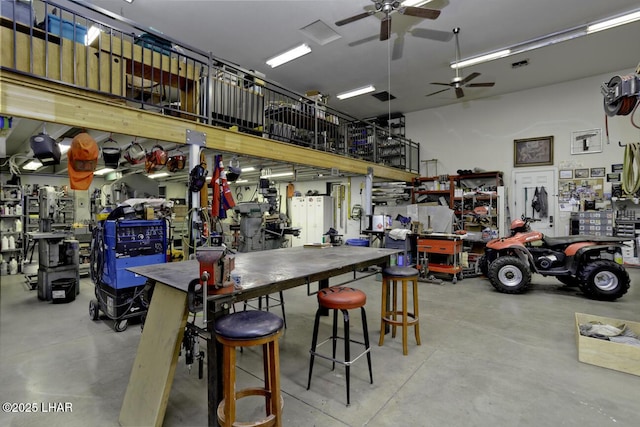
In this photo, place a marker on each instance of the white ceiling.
(249, 32)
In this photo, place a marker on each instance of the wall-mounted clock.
(586, 141)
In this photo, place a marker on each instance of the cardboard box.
(149, 213)
(612, 355)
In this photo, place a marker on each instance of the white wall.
(480, 133)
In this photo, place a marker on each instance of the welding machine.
(116, 246)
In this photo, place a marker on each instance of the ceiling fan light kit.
(388, 7)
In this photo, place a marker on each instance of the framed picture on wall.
(616, 167)
(582, 173)
(586, 141)
(613, 177)
(597, 172)
(533, 151)
(566, 174)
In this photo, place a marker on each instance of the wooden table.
(263, 273)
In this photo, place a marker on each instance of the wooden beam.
(37, 99)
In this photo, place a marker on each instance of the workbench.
(263, 273)
(443, 251)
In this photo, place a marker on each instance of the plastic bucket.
(358, 242)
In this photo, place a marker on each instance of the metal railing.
(95, 50)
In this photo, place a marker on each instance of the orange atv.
(592, 263)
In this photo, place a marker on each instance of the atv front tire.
(509, 275)
(604, 280)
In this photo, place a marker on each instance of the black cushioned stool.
(244, 329)
(344, 299)
(390, 313)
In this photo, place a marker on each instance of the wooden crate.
(612, 355)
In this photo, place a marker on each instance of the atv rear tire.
(509, 275)
(569, 280)
(604, 280)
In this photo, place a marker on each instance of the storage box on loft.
(608, 354)
(65, 29)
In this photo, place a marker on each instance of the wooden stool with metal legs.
(391, 315)
(341, 298)
(244, 329)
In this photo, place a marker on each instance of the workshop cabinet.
(313, 215)
(442, 252)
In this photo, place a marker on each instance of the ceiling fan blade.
(487, 84)
(398, 48)
(385, 28)
(426, 33)
(438, 91)
(469, 78)
(459, 92)
(364, 40)
(442, 84)
(419, 12)
(354, 18)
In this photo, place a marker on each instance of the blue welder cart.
(116, 246)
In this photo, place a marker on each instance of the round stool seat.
(251, 324)
(341, 298)
(396, 271)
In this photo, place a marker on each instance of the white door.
(526, 183)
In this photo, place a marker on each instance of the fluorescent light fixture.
(289, 55)
(92, 34)
(33, 165)
(158, 175)
(549, 39)
(614, 22)
(415, 3)
(356, 92)
(103, 171)
(482, 58)
(129, 1)
(277, 175)
(241, 181)
(247, 169)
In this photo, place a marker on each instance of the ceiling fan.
(387, 7)
(458, 82)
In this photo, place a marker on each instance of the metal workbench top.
(286, 267)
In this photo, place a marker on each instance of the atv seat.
(567, 240)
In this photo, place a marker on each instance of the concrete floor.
(486, 359)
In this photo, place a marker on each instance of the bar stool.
(244, 329)
(341, 298)
(390, 313)
(269, 301)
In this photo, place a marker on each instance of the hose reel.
(621, 94)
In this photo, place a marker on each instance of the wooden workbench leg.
(147, 394)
